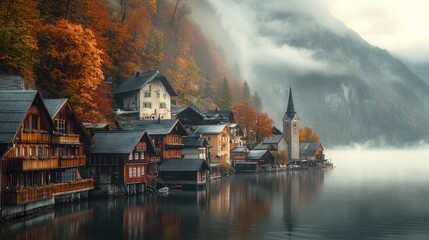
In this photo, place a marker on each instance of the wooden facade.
(40, 162)
(123, 158)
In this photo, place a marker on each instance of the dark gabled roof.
(14, 105)
(99, 126)
(136, 82)
(183, 165)
(194, 141)
(290, 112)
(274, 139)
(116, 142)
(306, 149)
(256, 154)
(210, 129)
(157, 127)
(54, 105)
(239, 149)
(264, 146)
(276, 131)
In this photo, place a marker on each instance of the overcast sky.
(400, 26)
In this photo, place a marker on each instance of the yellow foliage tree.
(307, 135)
(70, 66)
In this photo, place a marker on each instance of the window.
(26, 123)
(164, 95)
(130, 157)
(147, 104)
(24, 151)
(138, 171)
(162, 105)
(158, 94)
(134, 172)
(39, 151)
(142, 171)
(31, 151)
(46, 151)
(17, 152)
(142, 155)
(130, 172)
(136, 156)
(147, 94)
(34, 122)
(61, 125)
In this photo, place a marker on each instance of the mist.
(343, 87)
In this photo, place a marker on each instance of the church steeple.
(290, 112)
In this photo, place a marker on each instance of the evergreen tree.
(225, 95)
(246, 91)
(257, 102)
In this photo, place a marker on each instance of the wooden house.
(185, 172)
(311, 151)
(34, 169)
(218, 116)
(195, 147)
(121, 160)
(263, 157)
(166, 134)
(239, 154)
(147, 94)
(218, 137)
(188, 117)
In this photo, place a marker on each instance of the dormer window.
(61, 125)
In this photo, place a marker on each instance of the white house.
(148, 94)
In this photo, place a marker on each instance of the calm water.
(368, 195)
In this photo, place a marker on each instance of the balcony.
(32, 163)
(35, 136)
(28, 194)
(66, 139)
(72, 161)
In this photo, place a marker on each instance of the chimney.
(159, 118)
(137, 74)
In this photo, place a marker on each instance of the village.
(49, 156)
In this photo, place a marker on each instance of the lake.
(368, 195)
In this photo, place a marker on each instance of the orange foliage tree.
(307, 134)
(256, 126)
(70, 67)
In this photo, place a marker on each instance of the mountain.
(352, 91)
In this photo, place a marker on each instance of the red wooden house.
(31, 168)
(119, 161)
(167, 136)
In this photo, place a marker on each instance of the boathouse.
(184, 172)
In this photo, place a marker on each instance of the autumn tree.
(19, 21)
(257, 102)
(307, 135)
(70, 67)
(246, 91)
(256, 126)
(225, 95)
(262, 127)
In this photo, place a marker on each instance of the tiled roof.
(54, 105)
(273, 139)
(136, 82)
(183, 165)
(154, 127)
(116, 142)
(14, 105)
(255, 154)
(239, 149)
(210, 129)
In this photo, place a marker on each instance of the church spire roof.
(290, 112)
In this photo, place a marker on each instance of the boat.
(163, 190)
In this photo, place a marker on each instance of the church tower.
(291, 129)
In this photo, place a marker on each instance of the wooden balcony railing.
(28, 194)
(33, 163)
(66, 139)
(35, 136)
(72, 161)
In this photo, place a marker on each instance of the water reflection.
(239, 207)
